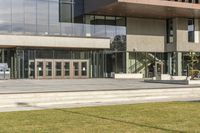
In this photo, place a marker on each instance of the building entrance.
(58, 69)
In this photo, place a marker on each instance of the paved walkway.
(28, 86)
(18, 95)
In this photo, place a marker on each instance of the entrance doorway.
(158, 69)
(58, 69)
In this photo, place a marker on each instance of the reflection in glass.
(48, 69)
(191, 30)
(76, 68)
(65, 10)
(58, 68)
(67, 69)
(48, 17)
(32, 69)
(30, 16)
(18, 16)
(42, 17)
(40, 69)
(54, 25)
(84, 68)
(5, 16)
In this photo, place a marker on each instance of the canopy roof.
(143, 8)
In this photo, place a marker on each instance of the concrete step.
(94, 97)
(45, 97)
(52, 98)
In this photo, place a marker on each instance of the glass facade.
(109, 26)
(61, 18)
(22, 60)
(67, 18)
(57, 18)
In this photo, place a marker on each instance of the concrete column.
(169, 63)
(3, 56)
(179, 64)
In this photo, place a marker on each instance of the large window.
(66, 10)
(170, 31)
(191, 30)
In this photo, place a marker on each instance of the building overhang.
(7, 41)
(144, 8)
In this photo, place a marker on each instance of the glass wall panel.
(18, 16)
(30, 16)
(42, 17)
(65, 10)
(5, 16)
(191, 30)
(44, 53)
(67, 29)
(100, 28)
(110, 27)
(79, 30)
(62, 54)
(54, 25)
(120, 21)
(79, 11)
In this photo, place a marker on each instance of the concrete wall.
(46, 41)
(182, 36)
(146, 35)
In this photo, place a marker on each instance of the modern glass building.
(45, 39)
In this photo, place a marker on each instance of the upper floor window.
(191, 30)
(187, 1)
(170, 31)
(66, 10)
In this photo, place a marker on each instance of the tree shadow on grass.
(122, 121)
(106, 118)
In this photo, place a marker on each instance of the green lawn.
(154, 117)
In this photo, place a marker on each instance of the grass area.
(172, 117)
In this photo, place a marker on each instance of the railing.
(64, 29)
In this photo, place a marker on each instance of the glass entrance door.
(80, 69)
(84, 69)
(31, 73)
(76, 69)
(49, 69)
(39, 69)
(158, 69)
(58, 69)
(67, 69)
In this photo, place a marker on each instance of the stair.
(144, 60)
(29, 101)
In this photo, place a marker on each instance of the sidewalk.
(68, 85)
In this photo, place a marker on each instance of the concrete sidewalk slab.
(70, 85)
